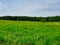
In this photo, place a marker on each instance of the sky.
(29, 7)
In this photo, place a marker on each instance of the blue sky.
(29, 7)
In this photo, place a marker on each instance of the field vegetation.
(29, 33)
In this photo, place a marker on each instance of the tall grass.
(29, 33)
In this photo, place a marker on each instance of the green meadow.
(29, 33)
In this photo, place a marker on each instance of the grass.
(29, 33)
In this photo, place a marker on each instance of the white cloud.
(29, 7)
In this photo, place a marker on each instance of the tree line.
(27, 18)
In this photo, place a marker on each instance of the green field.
(29, 33)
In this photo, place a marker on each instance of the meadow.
(29, 33)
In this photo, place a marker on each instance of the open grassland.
(29, 33)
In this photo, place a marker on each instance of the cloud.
(2, 6)
(30, 7)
